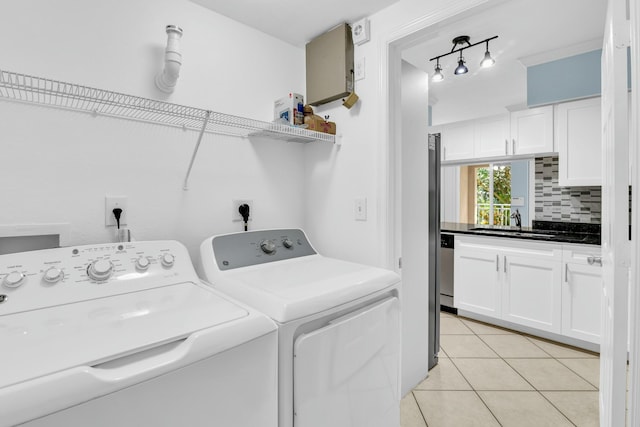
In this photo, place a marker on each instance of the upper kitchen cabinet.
(578, 135)
(457, 141)
(491, 136)
(532, 131)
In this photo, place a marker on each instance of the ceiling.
(295, 22)
(529, 31)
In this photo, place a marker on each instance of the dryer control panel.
(259, 247)
(38, 279)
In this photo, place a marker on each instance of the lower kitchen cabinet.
(545, 286)
(582, 294)
(477, 279)
(531, 295)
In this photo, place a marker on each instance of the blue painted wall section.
(565, 79)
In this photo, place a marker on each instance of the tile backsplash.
(555, 203)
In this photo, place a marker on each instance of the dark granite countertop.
(546, 231)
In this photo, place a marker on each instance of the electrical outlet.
(112, 202)
(235, 205)
(359, 69)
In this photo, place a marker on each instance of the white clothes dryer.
(339, 335)
(127, 335)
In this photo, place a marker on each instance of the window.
(493, 194)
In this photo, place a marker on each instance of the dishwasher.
(446, 273)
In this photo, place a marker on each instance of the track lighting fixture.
(486, 62)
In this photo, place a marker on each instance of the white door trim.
(634, 298)
(390, 125)
(615, 218)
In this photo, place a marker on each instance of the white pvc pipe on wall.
(167, 79)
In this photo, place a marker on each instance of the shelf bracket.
(185, 186)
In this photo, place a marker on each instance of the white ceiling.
(295, 22)
(530, 30)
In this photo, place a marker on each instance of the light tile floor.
(489, 376)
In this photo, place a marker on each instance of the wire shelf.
(53, 93)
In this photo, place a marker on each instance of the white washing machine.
(127, 335)
(339, 335)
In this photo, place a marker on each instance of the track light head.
(487, 61)
(461, 68)
(437, 76)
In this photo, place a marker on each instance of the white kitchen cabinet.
(579, 141)
(477, 278)
(457, 142)
(532, 131)
(450, 194)
(581, 293)
(531, 291)
(509, 279)
(491, 136)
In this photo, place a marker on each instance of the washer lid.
(40, 342)
(291, 289)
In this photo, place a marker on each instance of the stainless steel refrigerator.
(434, 248)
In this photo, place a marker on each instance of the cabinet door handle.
(506, 147)
(497, 262)
(513, 147)
(566, 273)
(597, 260)
(504, 265)
(444, 153)
(591, 260)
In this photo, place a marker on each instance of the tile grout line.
(597, 387)
(419, 409)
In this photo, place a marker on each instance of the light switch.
(360, 209)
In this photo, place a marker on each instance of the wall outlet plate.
(235, 204)
(112, 202)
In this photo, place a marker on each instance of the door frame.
(389, 184)
(634, 297)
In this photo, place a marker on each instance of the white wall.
(337, 175)
(58, 165)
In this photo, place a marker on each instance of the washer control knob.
(100, 270)
(142, 263)
(287, 243)
(167, 260)
(268, 247)
(14, 279)
(53, 275)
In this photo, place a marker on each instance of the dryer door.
(347, 373)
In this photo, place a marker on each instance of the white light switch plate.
(359, 69)
(360, 209)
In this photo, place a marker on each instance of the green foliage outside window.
(501, 194)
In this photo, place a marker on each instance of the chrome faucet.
(518, 219)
